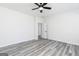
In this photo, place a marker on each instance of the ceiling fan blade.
(47, 7)
(44, 4)
(35, 8)
(41, 11)
(37, 4)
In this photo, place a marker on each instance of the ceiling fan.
(41, 6)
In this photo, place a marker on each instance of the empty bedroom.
(39, 29)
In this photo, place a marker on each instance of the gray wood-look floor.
(41, 48)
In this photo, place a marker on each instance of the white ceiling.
(27, 8)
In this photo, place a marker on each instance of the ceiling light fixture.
(40, 8)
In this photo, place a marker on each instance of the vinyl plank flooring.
(41, 47)
(51, 50)
(76, 49)
(32, 48)
(62, 50)
(14, 49)
(40, 50)
(47, 49)
(58, 50)
(28, 47)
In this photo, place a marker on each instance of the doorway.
(40, 26)
(42, 31)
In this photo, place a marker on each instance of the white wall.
(64, 27)
(15, 27)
